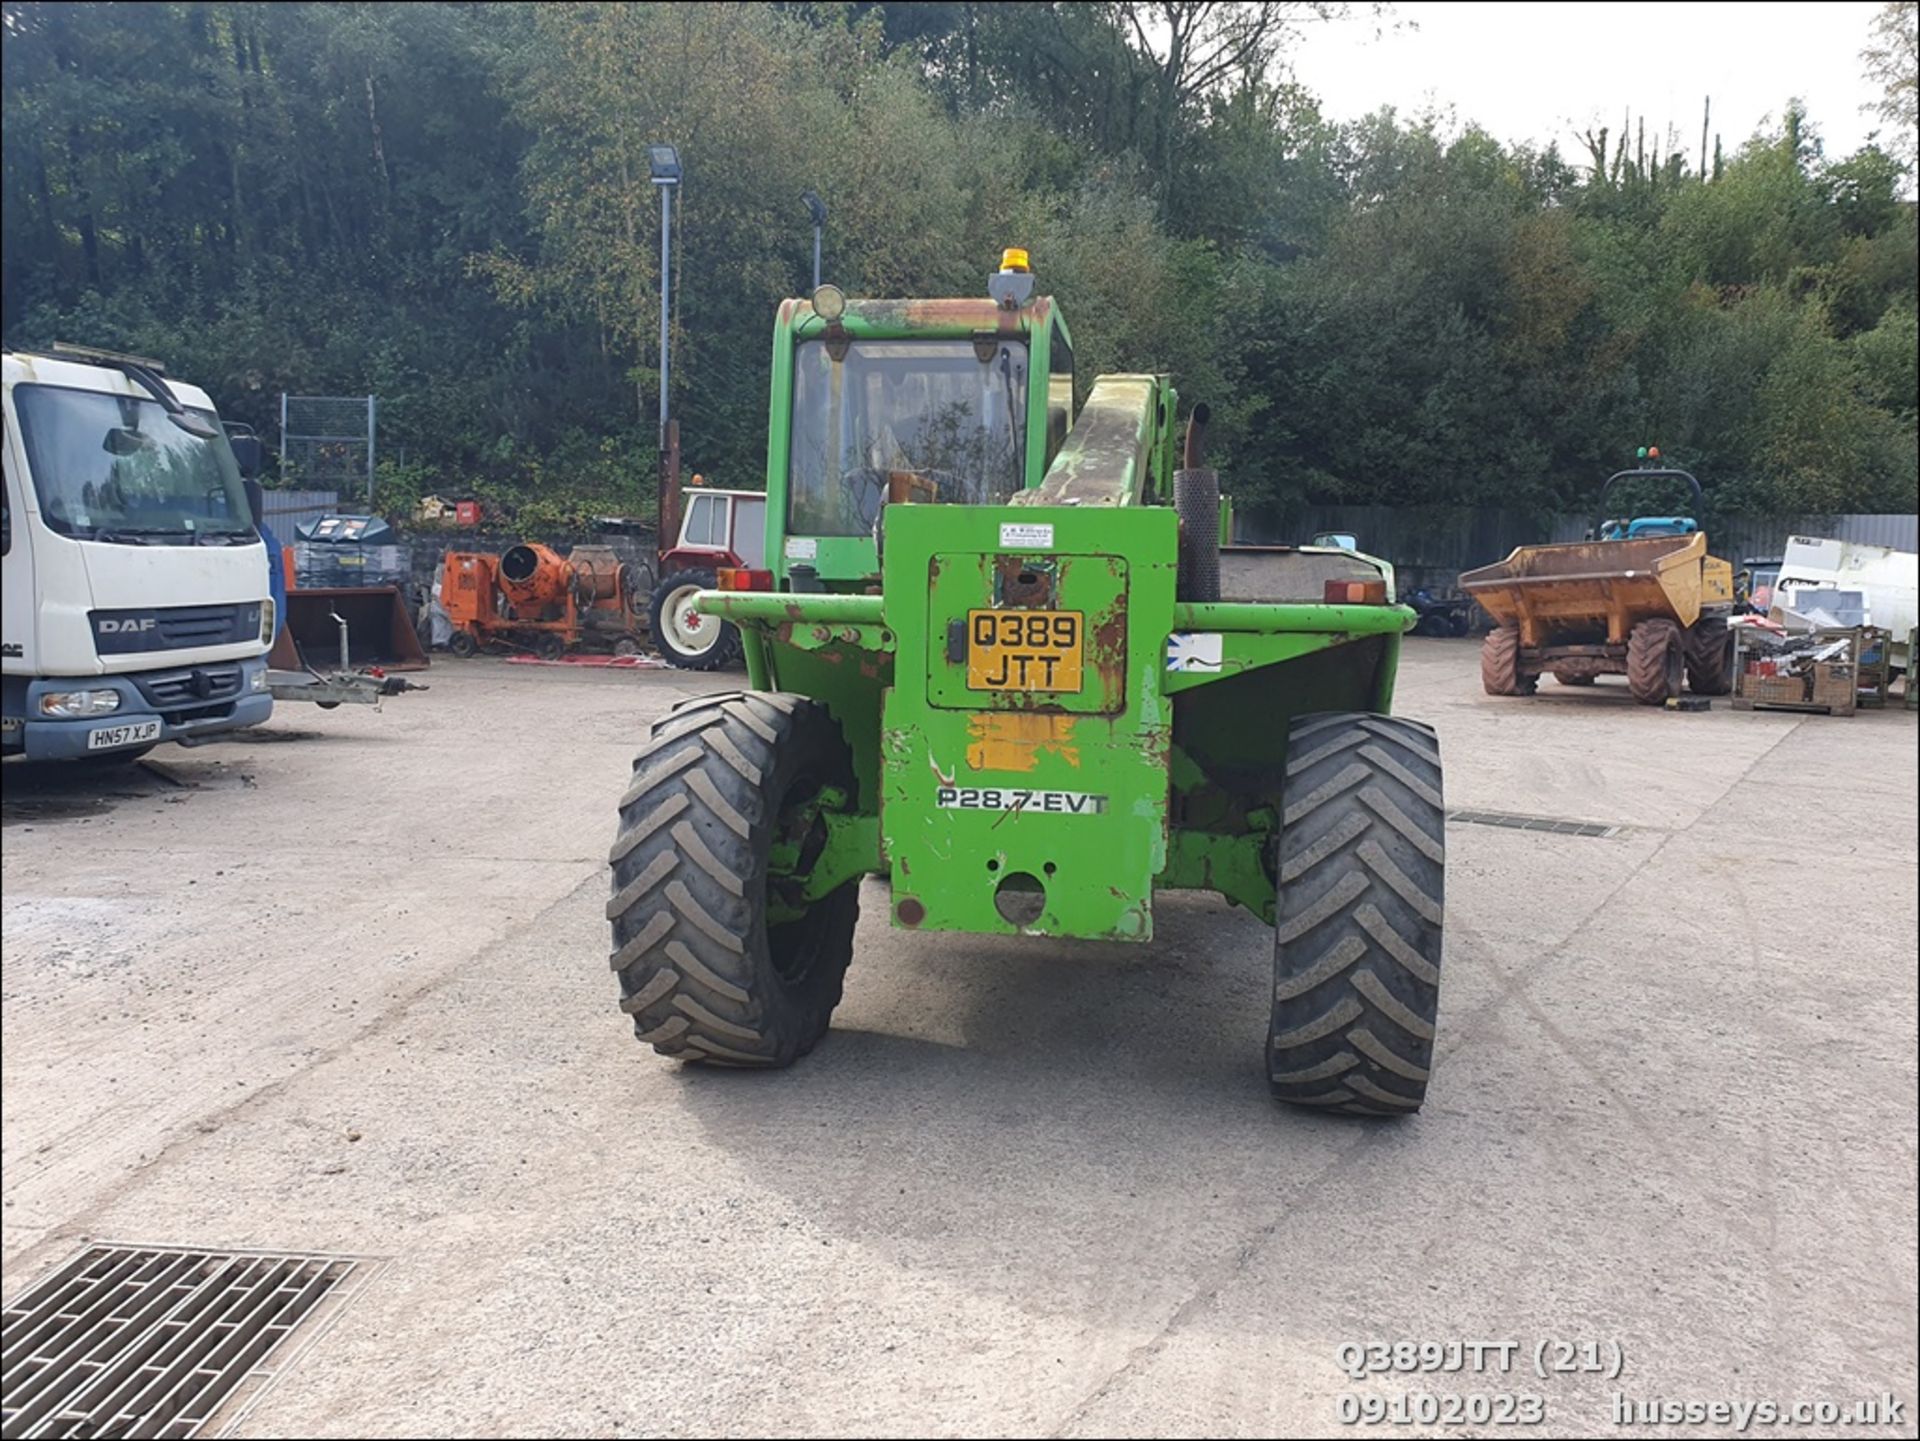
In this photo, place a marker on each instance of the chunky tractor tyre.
(1710, 657)
(704, 975)
(685, 637)
(1656, 661)
(1196, 496)
(1357, 927)
(1569, 677)
(1500, 665)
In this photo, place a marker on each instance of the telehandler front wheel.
(720, 959)
(1361, 878)
(1656, 661)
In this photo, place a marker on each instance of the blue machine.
(1623, 528)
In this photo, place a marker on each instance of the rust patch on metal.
(1012, 740)
(1025, 582)
(1108, 649)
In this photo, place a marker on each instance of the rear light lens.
(1356, 592)
(735, 578)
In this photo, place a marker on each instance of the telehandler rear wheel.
(1500, 664)
(719, 958)
(1357, 927)
(1710, 657)
(1656, 661)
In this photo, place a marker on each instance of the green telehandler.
(994, 658)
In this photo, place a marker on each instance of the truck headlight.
(78, 704)
(258, 680)
(267, 619)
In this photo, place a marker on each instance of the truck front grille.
(177, 627)
(192, 693)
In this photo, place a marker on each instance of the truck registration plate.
(1025, 650)
(106, 738)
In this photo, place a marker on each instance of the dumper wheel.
(719, 958)
(1357, 926)
(1656, 661)
(1710, 657)
(1500, 665)
(685, 637)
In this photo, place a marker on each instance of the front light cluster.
(258, 681)
(267, 618)
(79, 704)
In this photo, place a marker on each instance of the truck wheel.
(1357, 924)
(462, 645)
(1710, 657)
(1500, 664)
(1656, 661)
(711, 830)
(1568, 677)
(685, 637)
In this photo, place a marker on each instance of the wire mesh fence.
(328, 440)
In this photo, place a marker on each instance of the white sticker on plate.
(1194, 650)
(1027, 536)
(802, 547)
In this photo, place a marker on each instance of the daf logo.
(121, 627)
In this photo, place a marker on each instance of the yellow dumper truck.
(1644, 600)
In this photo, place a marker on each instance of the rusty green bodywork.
(1044, 813)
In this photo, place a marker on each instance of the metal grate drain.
(149, 1341)
(1554, 824)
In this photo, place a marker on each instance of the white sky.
(1545, 71)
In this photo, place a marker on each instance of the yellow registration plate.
(1030, 650)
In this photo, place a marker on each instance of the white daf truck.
(137, 606)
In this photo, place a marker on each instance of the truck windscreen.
(927, 420)
(116, 468)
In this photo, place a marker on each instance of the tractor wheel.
(462, 644)
(1569, 677)
(1357, 924)
(1196, 496)
(1656, 661)
(1500, 665)
(717, 818)
(1710, 657)
(680, 633)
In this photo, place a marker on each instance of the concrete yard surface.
(342, 985)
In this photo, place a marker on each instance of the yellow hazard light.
(1014, 258)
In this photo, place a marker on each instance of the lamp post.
(817, 208)
(663, 161)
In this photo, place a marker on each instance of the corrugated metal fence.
(286, 509)
(1431, 545)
